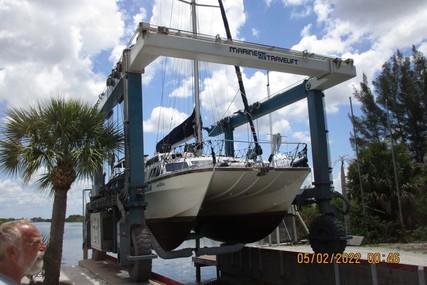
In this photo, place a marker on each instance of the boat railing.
(212, 153)
(289, 154)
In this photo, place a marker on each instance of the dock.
(283, 264)
(113, 274)
(202, 261)
(298, 265)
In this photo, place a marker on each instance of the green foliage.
(372, 226)
(75, 218)
(309, 213)
(3, 220)
(419, 234)
(396, 111)
(378, 184)
(371, 126)
(67, 139)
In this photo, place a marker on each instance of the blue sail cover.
(180, 133)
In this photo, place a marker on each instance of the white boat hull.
(229, 204)
(238, 191)
(244, 205)
(173, 203)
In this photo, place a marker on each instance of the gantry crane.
(124, 84)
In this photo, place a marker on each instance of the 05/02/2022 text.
(347, 258)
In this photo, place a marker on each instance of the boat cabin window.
(201, 163)
(176, 166)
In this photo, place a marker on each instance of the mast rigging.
(258, 149)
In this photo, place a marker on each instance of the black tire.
(140, 245)
(325, 234)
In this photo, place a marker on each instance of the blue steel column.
(135, 146)
(320, 151)
(229, 145)
(135, 139)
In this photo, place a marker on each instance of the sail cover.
(180, 133)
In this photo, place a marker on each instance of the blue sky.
(68, 48)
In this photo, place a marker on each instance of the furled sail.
(180, 133)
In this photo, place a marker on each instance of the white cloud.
(294, 2)
(300, 8)
(322, 9)
(164, 119)
(268, 2)
(302, 136)
(48, 47)
(185, 88)
(218, 94)
(19, 201)
(306, 30)
(255, 32)
(380, 13)
(367, 31)
(141, 16)
(116, 53)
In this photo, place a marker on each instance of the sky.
(51, 48)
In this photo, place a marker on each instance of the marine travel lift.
(124, 84)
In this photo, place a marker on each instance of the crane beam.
(259, 109)
(323, 72)
(153, 42)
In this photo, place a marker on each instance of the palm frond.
(43, 136)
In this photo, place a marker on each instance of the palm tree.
(64, 140)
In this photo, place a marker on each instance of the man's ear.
(12, 252)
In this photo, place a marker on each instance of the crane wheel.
(327, 235)
(140, 270)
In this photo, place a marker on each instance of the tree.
(379, 184)
(64, 141)
(371, 126)
(401, 91)
(393, 114)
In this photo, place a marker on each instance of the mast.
(196, 80)
(258, 149)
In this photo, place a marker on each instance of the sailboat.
(196, 185)
(228, 199)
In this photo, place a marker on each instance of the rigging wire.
(258, 149)
(162, 95)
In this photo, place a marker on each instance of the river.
(181, 269)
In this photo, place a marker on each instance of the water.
(73, 239)
(180, 269)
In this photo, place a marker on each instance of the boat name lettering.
(263, 55)
(160, 184)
